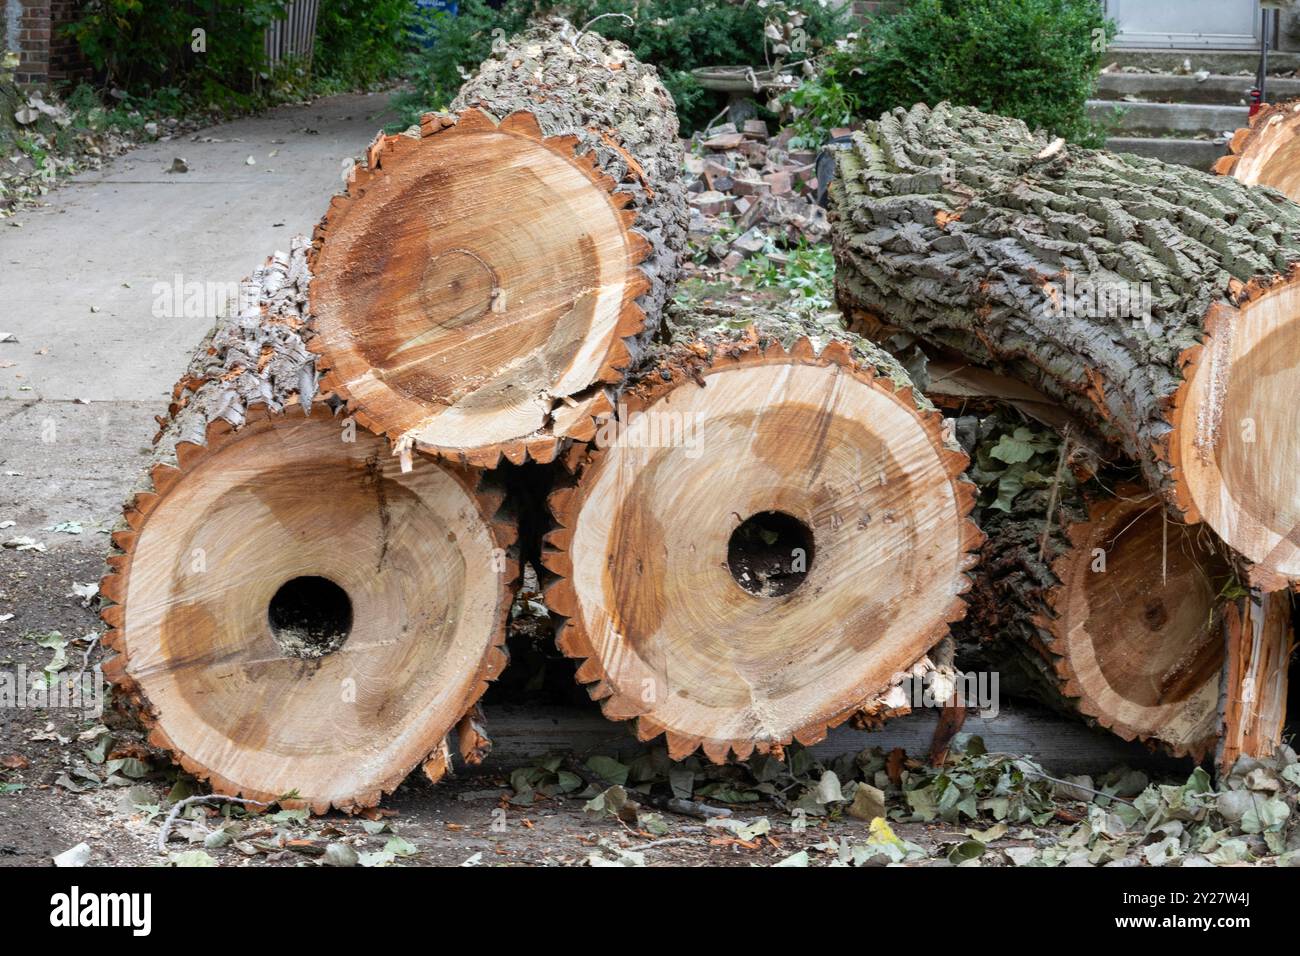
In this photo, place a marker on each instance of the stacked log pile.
(762, 525)
(310, 587)
(1157, 309)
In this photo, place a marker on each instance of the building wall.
(66, 60)
(32, 29)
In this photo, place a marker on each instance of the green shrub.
(362, 43)
(818, 106)
(451, 44)
(146, 46)
(676, 36)
(1032, 59)
(141, 46)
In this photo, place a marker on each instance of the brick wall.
(27, 32)
(66, 60)
(31, 28)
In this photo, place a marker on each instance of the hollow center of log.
(397, 574)
(786, 451)
(310, 617)
(661, 526)
(769, 553)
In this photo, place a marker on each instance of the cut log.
(1090, 598)
(295, 618)
(1260, 639)
(491, 268)
(1267, 152)
(1158, 304)
(767, 540)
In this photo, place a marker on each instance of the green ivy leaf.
(608, 769)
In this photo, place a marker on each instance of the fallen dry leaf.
(943, 217)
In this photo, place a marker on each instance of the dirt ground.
(464, 819)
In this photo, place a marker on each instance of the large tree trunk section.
(490, 271)
(1260, 640)
(1137, 644)
(983, 241)
(292, 613)
(1267, 152)
(772, 540)
(1095, 601)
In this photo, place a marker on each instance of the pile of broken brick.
(746, 190)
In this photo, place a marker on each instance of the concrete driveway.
(82, 286)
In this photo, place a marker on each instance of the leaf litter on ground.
(987, 808)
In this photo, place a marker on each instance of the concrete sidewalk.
(80, 278)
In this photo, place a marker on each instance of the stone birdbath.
(742, 84)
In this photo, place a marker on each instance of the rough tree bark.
(1089, 597)
(1267, 152)
(291, 612)
(768, 538)
(986, 241)
(489, 271)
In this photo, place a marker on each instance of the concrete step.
(1159, 119)
(1196, 153)
(1216, 61)
(1218, 88)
